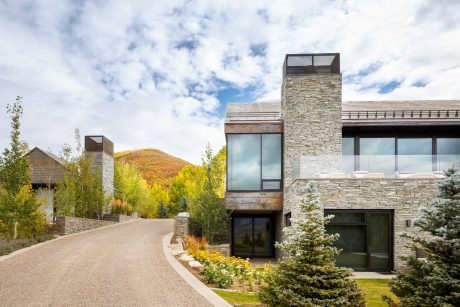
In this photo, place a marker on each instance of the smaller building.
(46, 171)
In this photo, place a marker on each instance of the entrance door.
(253, 236)
(365, 238)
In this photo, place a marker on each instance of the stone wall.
(224, 249)
(181, 226)
(121, 218)
(404, 196)
(312, 113)
(104, 162)
(67, 225)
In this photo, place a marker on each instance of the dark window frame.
(261, 165)
(367, 213)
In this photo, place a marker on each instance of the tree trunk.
(15, 234)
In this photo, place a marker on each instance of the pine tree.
(183, 204)
(308, 275)
(434, 281)
(163, 211)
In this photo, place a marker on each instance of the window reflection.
(377, 155)
(448, 153)
(415, 155)
(253, 159)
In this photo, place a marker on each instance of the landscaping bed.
(9, 246)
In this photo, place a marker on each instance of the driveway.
(123, 265)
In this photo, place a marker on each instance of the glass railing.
(374, 166)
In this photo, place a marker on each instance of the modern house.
(47, 170)
(375, 163)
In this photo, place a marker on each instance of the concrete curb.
(194, 282)
(26, 249)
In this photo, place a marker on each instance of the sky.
(159, 74)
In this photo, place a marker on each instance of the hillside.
(155, 165)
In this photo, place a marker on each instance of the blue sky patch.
(389, 87)
(420, 84)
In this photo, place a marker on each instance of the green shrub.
(218, 274)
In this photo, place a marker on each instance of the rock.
(196, 265)
(186, 257)
(178, 252)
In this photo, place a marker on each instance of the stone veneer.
(67, 224)
(181, 226)
(404, 196)
(312, 114)
(105, 163)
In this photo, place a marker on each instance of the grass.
(373, 290)
(239, 298)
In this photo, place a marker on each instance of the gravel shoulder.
(122, 265)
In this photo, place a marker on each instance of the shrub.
(121, 207)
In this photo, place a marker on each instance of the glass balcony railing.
(374, 166)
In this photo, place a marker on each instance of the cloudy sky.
(159, 73)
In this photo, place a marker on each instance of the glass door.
(253, 236)
(379, 240)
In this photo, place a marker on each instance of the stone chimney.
(311, 96)
(100, 149)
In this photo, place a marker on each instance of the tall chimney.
(311, 96)
(100, 149)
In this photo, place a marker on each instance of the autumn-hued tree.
(81, 192)
(435, 280)
(20, 212)
(207, 210)
(308, 276)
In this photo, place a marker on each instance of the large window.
(377, 155)
(254, 162)
(415, 155)
(448, 152)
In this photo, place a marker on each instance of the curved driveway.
(123, 265)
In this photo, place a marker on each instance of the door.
(366, 238)
(253, 236)
(379, 240)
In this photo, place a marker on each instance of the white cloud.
(146, 74)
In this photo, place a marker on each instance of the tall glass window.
(243, 164)
(254, 162)
(348, 151)
(377, 155)
(415, 155)
(271, 161)
(448, 153)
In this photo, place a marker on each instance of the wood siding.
(254, 201)
(44, 169)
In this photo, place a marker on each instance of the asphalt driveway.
(122, 265)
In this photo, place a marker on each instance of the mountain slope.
(155, 165)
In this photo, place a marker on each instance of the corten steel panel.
(92, 146)
(254, 127)
(254, 201)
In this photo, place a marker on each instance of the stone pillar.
(100, 150)
(181, 226)
(312, 113)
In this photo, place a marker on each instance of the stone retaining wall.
(404, 196)
(67, 224)
(224, 249)
(119, 217)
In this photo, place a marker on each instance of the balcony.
(373, 166)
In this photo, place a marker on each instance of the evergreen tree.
(308, 275)
(163, 211)
(20, 212)
(434, 281)
(183, 204)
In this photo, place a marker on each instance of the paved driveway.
(122, 265)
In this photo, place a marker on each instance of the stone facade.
(105, 163)
(67, 225)
(312, 113)
(181, 226)
(404, 196)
